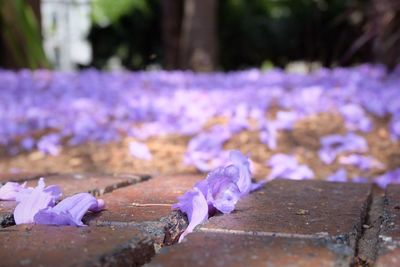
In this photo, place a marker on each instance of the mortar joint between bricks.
(367, 245)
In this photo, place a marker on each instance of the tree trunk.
(198, 44)
(386, 24)
(171, 30)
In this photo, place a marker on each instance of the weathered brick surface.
(35, 245)
(392, 211)
(299, 208)
(389, 251)
(146, 201)
(6, 210)
(214, 249)
(96, 184)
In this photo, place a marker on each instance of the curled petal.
(37, 199)
(194, 204)
(69, 211)
(242, 163)
(10, 190)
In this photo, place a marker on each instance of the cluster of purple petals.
(390, 177)
(97, 106)
(341, 176)
(356, 118)
(361, 162)
(333, 145)
(287, 166)
(38, 205)
(220, 191)
(44, 110)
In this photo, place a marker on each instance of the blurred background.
(200, 35)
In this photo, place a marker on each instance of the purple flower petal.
(69, 211)
(286, 119)
(394, 128)
(223, 193)
(31, 202)
(50, 144)
(10, 190)
(140, 151)
(333, 145)
(355, 118)
(390, 177)
(194, 204)
(361, 162)
(286, 166)
(269, 135)
(242, 163)
(339, 176)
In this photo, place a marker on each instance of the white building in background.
(65, 26)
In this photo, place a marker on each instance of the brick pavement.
(287, 223)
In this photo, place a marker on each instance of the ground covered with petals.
(340, 124)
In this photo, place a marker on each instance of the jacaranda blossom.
(32, 201)
(69, 211)
(333, 145)
(269, 135)
(338, 176)
(356, 118)
(220, 191)
(361, 162)
(140, 151)
(36, 205)
(390, 177)
(10, 190)
(194, 204)
(287, 166)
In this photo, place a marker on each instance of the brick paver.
(215, 249)
(389, 251)
(36, 245)
(310, 208)
(146, 201)
(6, 210)
(286, 223)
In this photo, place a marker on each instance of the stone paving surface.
(286, 223)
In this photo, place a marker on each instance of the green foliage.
(108, 12)
(21, 34)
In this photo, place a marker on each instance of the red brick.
(37, 245)
(389, 256)
(6, 210)
(389, 251)
(146, 201)
(96, 184)
(213, 249)
(392, 210)
(298, 208)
